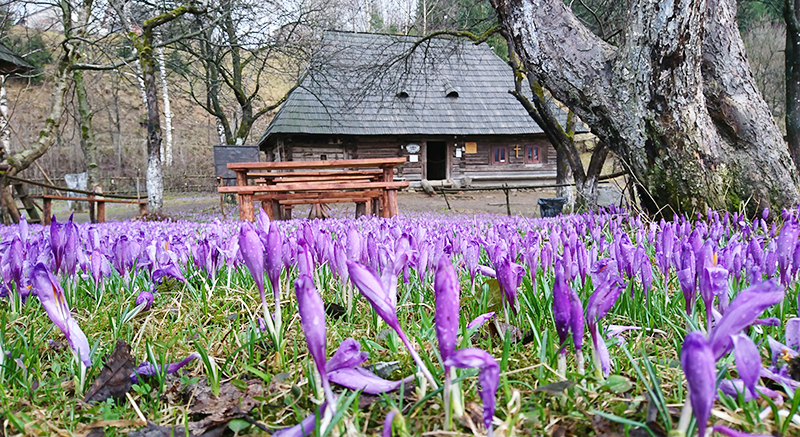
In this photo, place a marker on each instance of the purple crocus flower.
(730, 432)
(733, 387)
(343, 369)
(147, 369)
(599, 304)
(489, 378)
(446, 290)
(509, 276)
(479, 321)
(745, 308)
(387, 424)
(145, 297)
(699, 366)
(274, 260)
(312, 318)
(748, 361)
(57, 243)
(51, 295)
(381, 292)
(98, 265)
(70, 251)
(253, 254)
(561, 309)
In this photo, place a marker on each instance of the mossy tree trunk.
(675, 101)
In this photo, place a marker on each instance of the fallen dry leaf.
(115, 377)
(232, 403)
(153, 430)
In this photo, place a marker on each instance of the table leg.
(391, 198)
(47, 210)
(101, 211)
(246, 211)
(361, 209)
(266, 205)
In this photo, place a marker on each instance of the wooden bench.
(281, 185)
(47, 205)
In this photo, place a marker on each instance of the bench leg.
(391, 198)
(47, 210)
(246, 211)
(266, 205)
(286, 212)
(101, 212)
(361, 208)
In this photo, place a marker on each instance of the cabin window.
(499, 155)
(532, 155)
(323, 157)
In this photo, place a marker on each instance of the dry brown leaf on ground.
(232, 403)
(115, 377)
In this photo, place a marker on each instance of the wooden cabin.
(444, 104)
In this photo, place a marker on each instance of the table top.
(300, 165)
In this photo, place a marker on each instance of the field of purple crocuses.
(602, 324)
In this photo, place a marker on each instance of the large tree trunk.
(791, 14)
(155, 174)
(88, 145)
(682, 112)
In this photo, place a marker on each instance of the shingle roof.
(353, 88)
(10, 62)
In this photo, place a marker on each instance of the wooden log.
(320, 195)
(334, 173)
(354, 199)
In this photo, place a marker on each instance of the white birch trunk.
(220, 131)
(166, 149)
(5, 130)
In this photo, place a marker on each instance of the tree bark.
(687, 149)
(167, 150)
(791, 12)
(5, 120)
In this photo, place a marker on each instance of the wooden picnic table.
(369, 183)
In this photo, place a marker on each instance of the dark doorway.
(436, 160)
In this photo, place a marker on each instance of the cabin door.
(436, 160)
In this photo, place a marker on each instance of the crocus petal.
(477, 322)
(748, 360)
(145, 297)
(489, 377)
(733, 387)
(779, 350)
(147, 369)
(561, 306)
(347, 355)
(770, 321)
(699, 366)
(793, 332)
(51, 295)
(358, 378)
(303, 429)
(371, 287)
(487, 271)
(312, 318)
(446, 291)
(387, 424)
(744, 309)
(253, 254)
(722, 429)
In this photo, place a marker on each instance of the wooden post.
(221, 198)
(361, 209)
(142, 208)
(47, 210)
(508, 204)
(101, 211)
(266, 205)
(390, 196)
(246, 211)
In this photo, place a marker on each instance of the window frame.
(533, 161)
(505, 155)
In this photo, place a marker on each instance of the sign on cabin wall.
(226, 154)
(470, 147)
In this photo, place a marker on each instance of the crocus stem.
(580, 362)
(276, 287)
(417, 359)
(562, 363)
(349, 299)
(457, 398)
(686, 417)
(447, 390)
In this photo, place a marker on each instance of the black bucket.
(552, 207)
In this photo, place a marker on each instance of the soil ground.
(206, 206)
